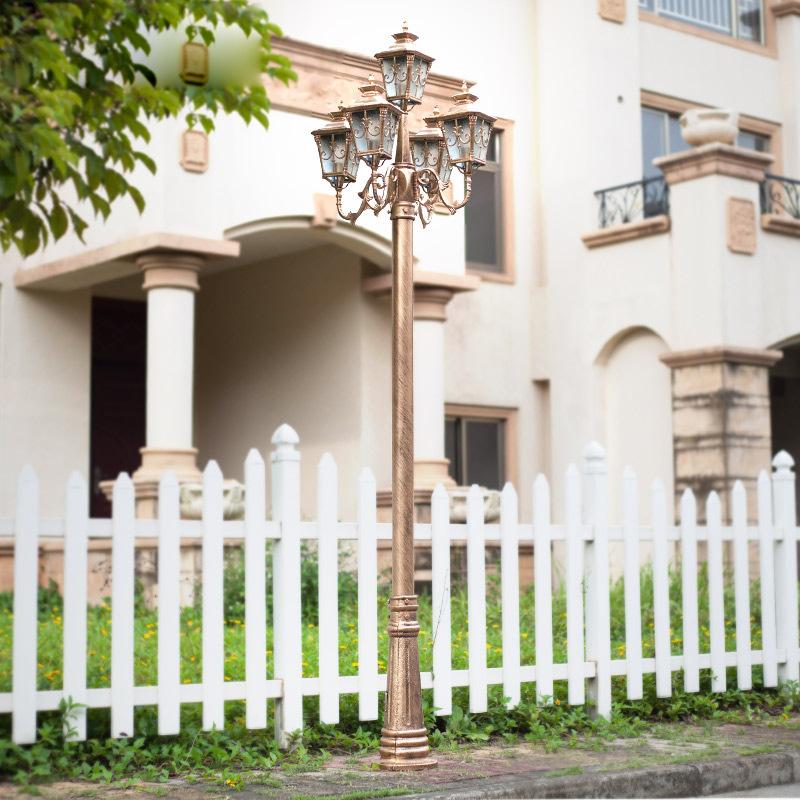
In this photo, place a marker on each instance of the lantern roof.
(464, 103)
(336, 124)
(403, 43)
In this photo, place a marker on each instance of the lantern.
(466, 132)
(373, 123)
(404, 69)
(337, 151)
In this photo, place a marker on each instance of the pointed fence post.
(633, 598)
(691, 651)
(766, 548)
(169, 605)
(213, 607)
(440, 588)
(596, 580)
(576, 689)
(741, 566)
(543, 586)
(476, 600)
(123, 562)
(75, 575)
(716, 604)
(328, 589)
(26, 606)
(509, 574)
(786, 619)
(661, 621)
(255, 590)
(287, 620)
(367, 597)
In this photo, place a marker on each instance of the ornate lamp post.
(366, 131)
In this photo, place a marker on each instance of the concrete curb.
(672, 780)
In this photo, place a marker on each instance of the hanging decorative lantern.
(404, 69)
(428, 150)
(337, 150)
(373, 123)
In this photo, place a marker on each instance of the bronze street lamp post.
(366, 131)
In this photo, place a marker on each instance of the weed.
(560, 773)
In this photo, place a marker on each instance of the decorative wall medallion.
(325, 214)
(612, 10)
(740, 223)
(194, 63)
(194, 151)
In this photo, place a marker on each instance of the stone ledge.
(714, 159)
(786, 8)
(626, 231)
(779, 223)
(717, 355)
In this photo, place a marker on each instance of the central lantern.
(404, 69)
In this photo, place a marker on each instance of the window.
(741, 19)
(661, 135)
(484, 213)
(479, 442)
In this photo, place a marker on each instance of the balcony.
(780, 204)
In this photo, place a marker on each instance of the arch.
(604, 353)
(276, 236)
(789, 341)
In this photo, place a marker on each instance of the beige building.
(660, 316)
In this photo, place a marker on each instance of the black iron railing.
(630, 202)
(780, 195)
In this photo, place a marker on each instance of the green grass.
(560, 773)
(236, 749)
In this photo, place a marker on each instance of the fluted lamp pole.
(367, 131)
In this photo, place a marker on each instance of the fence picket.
(596, 579)
(122, 572)
(542, 586)
(440, 591)
(255, 590)
(741, 567)
(716, 608)
(367, 598)
(76, 518)
(633, 600)
(661, 620)
(26, 608)
(287, 619)
(169, 606)
(213, 611)
(691, 664)
(328, 589)
(766, 548)
(786, 618)
(509, 574)
(572, 518)
(476, 601)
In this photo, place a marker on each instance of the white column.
(170, 280)
(430, 464)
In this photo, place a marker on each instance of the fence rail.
(589, 667)
(630, 202)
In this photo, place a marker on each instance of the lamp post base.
(405, 750)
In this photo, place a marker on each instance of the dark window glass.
(476, 451)
(483, 213)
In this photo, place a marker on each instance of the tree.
(75, 97)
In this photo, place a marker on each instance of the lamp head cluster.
(367, 129)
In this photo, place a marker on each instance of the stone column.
(430, 314)
(720, 422)
(787, 23)
(170, 280)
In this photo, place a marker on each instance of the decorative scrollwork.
(374, 196)
(431, 191)
(780, 195)
(630, 202)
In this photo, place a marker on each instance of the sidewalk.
(673, 760)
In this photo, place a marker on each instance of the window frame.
(760, 127)
(505, 212)
(768, 46)
(493, 414)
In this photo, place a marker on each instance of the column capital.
(714, 159)
(170, 269)
(722, 354)
(430, 302)
(786, 8)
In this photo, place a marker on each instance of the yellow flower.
(495, 626)
(188, 680)
(785, 716)
(343, 647)
(355, 663)
(104, 632)
(524, 635)
(192, 658)
(558, 702)
(305, 664)
(311, 626)
(143, 663)
(227, 678)
(498, 650)
(190, 623)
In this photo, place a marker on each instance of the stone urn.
(232, 500)
(458, 504)
(707, 125)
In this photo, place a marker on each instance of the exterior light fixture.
(337, 150)
(373, 122)
(404, 69)
(466, 132)
(408, 188)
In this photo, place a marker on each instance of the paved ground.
(673, 760)
(787, 790)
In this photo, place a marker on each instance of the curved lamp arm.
(374, 196)
(431, 191)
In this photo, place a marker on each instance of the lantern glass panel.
(458, 139)
(404, 76)
(444, 165)
(483, 134)
(389, 133)
(338, 158)
(425, 153)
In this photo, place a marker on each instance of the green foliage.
(75, 96)
(230, 757)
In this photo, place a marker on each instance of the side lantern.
(337, 150)
(466, 132)
(373, 123)
(428, 150)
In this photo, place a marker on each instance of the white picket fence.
(589, 667)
